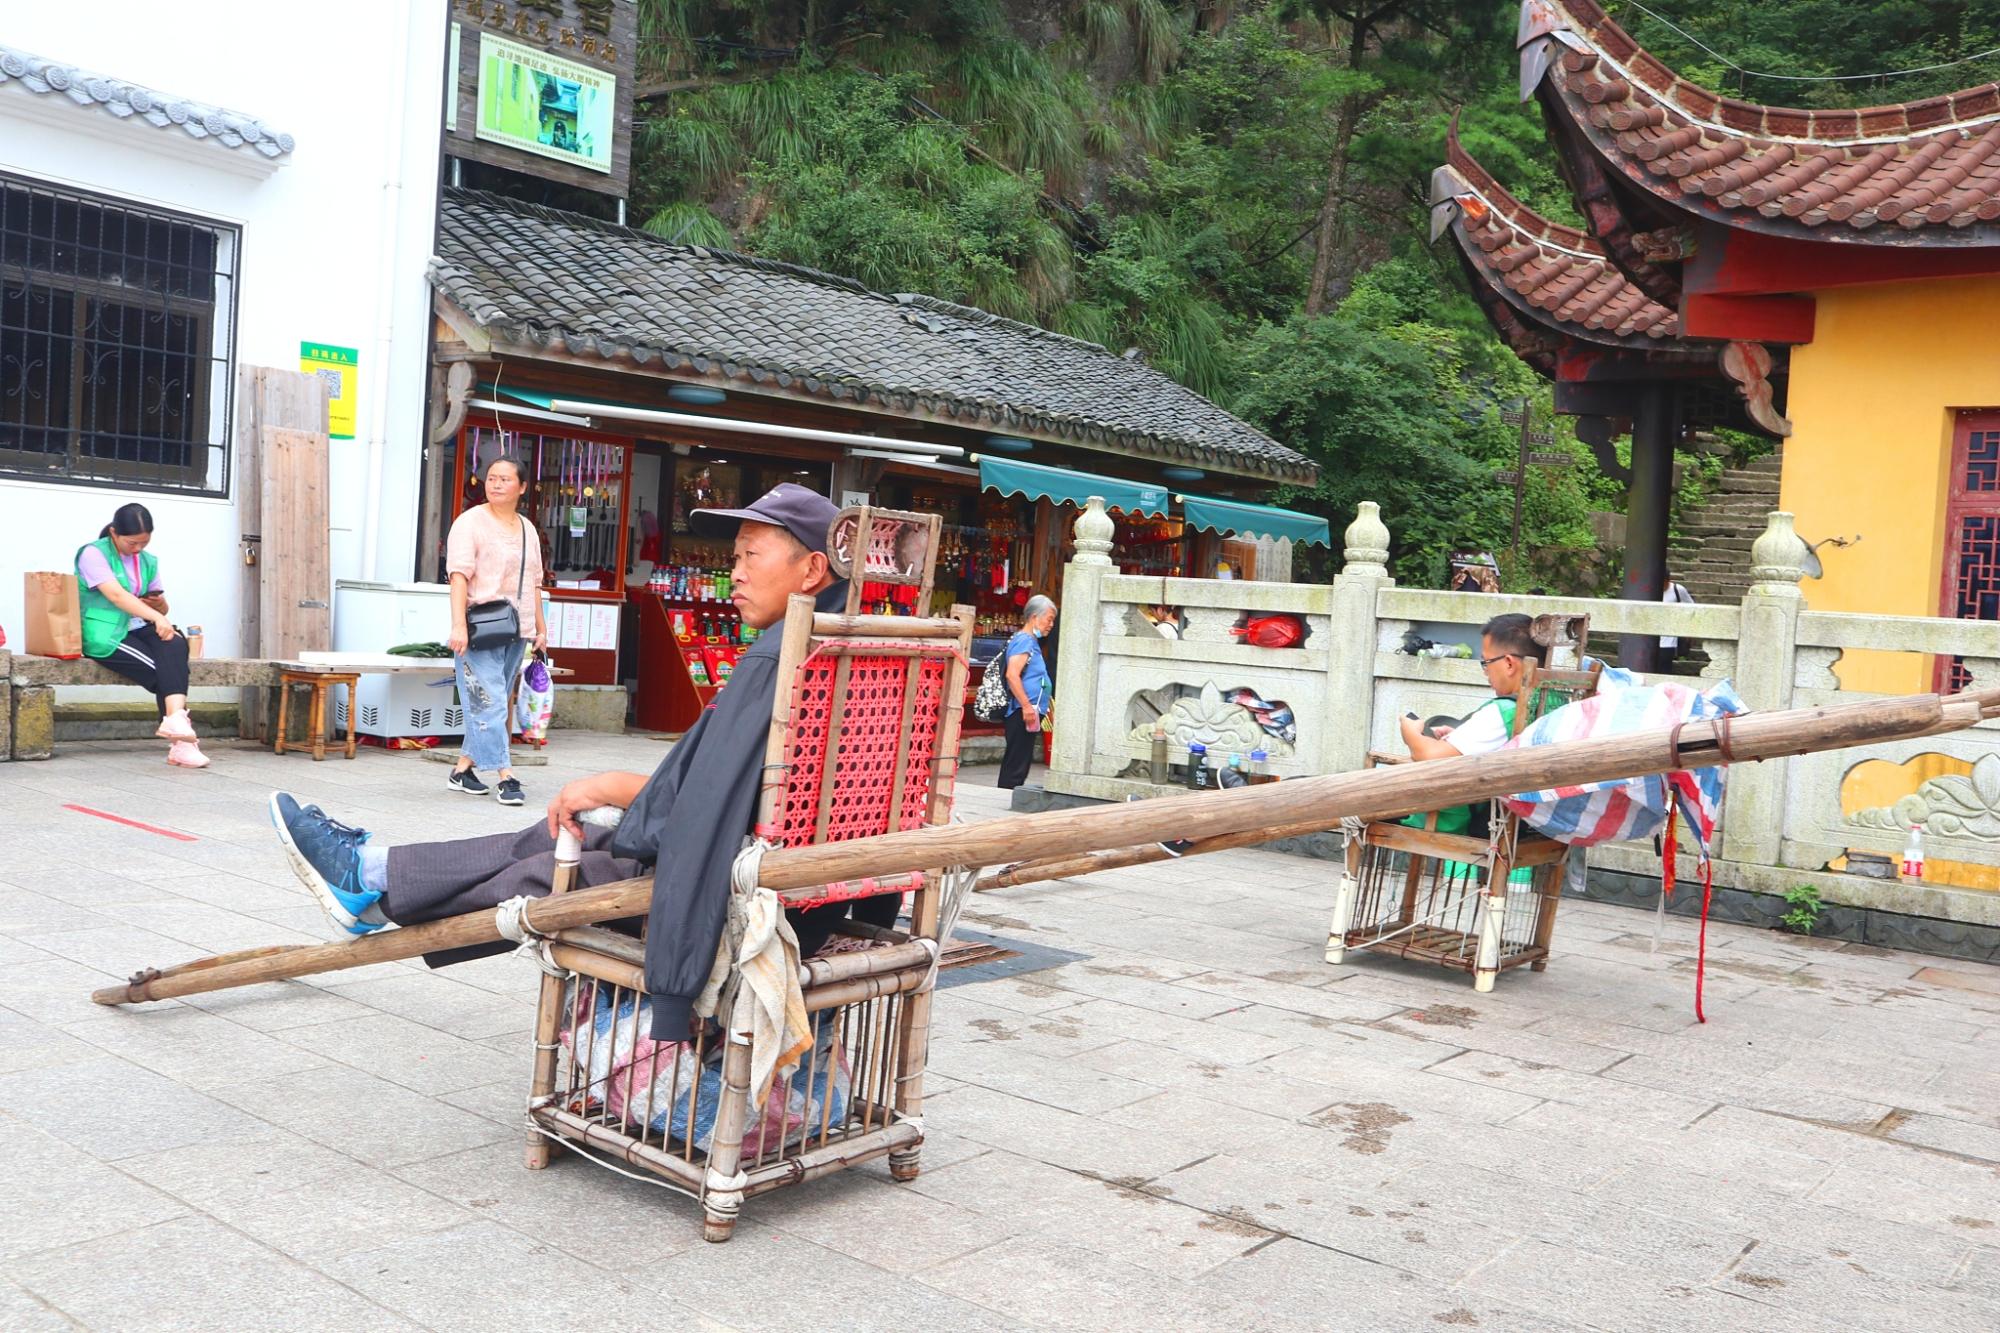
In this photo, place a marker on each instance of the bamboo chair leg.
(913, 1041)
(1492, 916)
(1346, 896)
(548, 1010)
(722, 1192)
(1545, 919)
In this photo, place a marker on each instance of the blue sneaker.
(326, 856)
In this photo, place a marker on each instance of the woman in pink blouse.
(493, 555)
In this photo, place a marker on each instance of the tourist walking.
(1670, 644)
(1028, 690)
(125, 624)
(494, 558)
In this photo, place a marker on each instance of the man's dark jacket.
(689, 821)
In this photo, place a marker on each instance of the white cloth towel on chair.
(768, 962)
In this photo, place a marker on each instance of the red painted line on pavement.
(133, 823)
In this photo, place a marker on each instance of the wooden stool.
(318, 682)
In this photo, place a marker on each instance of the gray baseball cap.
(799, 510)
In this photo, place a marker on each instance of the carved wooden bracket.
(451, 394)
(1749, 365)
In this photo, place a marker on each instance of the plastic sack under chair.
(637, 1078)
(536, 703)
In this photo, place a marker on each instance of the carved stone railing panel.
(1812, 669)
(1209, 624)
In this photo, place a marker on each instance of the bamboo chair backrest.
(900, 549)
(864, 736)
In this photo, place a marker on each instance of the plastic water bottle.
(1259, 763)
(1197, 777)
(1913, 854)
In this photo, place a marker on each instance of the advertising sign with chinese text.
(541, 103)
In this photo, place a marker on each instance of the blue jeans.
(486, 688)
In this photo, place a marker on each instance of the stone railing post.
(1075, 719)
(1350, 647)
(1766, 659)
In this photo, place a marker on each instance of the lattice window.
(1972, 532)
(116, 333)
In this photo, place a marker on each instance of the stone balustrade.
(1347, 684)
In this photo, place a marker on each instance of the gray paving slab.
(1196, 1124)
(140, 1279)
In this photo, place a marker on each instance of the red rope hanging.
(1668, 849)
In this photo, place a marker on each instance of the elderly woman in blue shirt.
(1028, 689)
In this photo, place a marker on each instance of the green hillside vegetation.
(1234, 189)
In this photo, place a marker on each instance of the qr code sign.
(331, 379)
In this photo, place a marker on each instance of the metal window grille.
(117, 330)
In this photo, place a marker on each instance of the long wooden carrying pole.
(1228, 818)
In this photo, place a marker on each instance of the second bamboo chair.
(1478, 904)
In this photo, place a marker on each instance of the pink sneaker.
(176, 727)
(187, 754)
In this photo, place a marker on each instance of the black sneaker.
(467, 781)
(509, 792)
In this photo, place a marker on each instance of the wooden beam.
(1320, 802)
(1759, 319)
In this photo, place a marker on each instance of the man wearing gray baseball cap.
(686, 822)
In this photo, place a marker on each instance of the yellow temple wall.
(1872, 399)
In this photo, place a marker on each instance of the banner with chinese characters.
(545, 88)
(339, 369)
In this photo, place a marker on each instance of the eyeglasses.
(1489, 661)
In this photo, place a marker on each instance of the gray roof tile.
(534, 275)
(116, 97)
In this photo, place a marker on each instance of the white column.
(1350, 685)
(1076, 688)
(1766, 658)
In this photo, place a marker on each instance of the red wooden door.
(1972, 531)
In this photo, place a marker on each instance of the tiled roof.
(1930, 169)
(1556, 275)
(539, 277)
(116, 97)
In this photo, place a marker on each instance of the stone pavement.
(1198, 1124)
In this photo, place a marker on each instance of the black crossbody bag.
(497, 623)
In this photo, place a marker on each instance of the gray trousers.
(429, 881)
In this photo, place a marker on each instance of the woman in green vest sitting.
(125, 624)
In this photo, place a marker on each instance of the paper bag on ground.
(54, 625)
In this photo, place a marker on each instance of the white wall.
(334, 244)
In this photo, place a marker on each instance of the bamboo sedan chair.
(1474, 903)
(864, 740)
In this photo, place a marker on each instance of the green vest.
(105, 625)
(1458, 818)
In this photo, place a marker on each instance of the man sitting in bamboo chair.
(687, 821)
(1451, 887)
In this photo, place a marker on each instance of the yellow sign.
(337, 369)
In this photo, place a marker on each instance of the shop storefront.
(638, 381)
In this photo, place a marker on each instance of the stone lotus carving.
(1957, 805)
(1215, 722)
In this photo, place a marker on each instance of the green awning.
(1247, 520)
(1034, 482)
(545, 401)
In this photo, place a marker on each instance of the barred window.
(117, 327)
